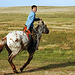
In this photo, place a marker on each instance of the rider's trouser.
(34, 37)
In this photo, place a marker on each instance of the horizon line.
(44, 5)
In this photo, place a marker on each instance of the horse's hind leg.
(7, 48)
(2, 43)
(10, 58)
(28, 61)
(1, 48)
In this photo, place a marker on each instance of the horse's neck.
(39, 33)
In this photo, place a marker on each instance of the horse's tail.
(2, 43)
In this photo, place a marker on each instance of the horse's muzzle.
(47, 31)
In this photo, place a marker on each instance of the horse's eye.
(45, 26)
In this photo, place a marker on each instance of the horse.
(17, 41)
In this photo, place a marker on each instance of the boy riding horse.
(29, 24)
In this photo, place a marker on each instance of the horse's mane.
(37, 27)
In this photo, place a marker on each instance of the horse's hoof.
(15, 71)
(21, 69)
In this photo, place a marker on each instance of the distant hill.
(41, 9)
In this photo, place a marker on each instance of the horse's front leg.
(28, 61)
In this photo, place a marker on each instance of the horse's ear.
(37, 27)
(41, 23)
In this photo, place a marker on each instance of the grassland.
(56, 54)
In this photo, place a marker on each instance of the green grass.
(56, 54)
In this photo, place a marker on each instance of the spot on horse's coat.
(16, 40)
(10, 39)
(15, 33)
(9, 43)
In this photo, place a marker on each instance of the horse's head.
(45, 29)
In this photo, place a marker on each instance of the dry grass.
(56, 54)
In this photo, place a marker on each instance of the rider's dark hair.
(33, 6)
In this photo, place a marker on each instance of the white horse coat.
(15, 40)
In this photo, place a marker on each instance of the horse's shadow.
(47, 67)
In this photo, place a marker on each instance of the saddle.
(27, 31)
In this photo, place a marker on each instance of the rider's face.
(34, 9)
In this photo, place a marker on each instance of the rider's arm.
(37, 19)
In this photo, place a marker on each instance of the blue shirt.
(30, 20)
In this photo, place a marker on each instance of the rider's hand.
(40, 18)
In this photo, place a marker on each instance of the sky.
(11, 3)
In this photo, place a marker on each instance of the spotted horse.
(17, 41)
